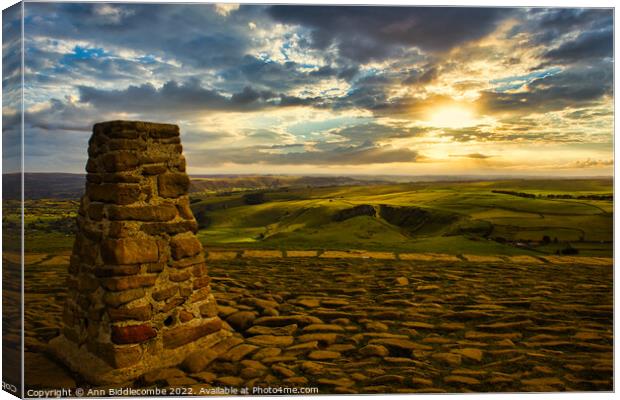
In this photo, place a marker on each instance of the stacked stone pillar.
(138, 291)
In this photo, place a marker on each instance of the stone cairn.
(139, 297)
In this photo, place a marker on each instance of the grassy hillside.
(448, 217)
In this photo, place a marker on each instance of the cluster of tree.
(557, 196)
(568, 250)
(513, 193)
(254, 198)
(582, 197)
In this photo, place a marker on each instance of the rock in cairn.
(138, 292)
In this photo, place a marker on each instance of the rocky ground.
(378, 326)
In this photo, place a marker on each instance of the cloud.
(174, 31)
(376, 33)
(224, 9)
(591, 163)
(335, 155)
(576, 86)
(478, 156)
(110, 14)
(374, 132)
(317, 85)
(183, 98)
(585, 47)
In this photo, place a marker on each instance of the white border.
(480, 3)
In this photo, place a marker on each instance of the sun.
(451, 117)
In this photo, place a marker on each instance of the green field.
(443, 217)
(446, 217)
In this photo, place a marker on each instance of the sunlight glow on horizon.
(452, 117)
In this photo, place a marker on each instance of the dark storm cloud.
(56, 135)
(564, 20)
(192, 33)
(186, 97)
(197, 36)
(11, 45)
(422, 76)
(282, 77)
(545, 25)
(63, 115)
(371, 33)
(577, 86)
(11, 88)
(568, 35)
(338, 155)
(586, 47)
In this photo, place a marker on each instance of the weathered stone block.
(92, 232)
(155, 267)
(172, 140)
(120, 229)
(178, 163)
(127, 144)
(72, 282)
(116, 299)
(185, 316)
(188, 262)
(71, 334)
(142, 313)
(184, 334)
(120, 356)
(92, 166)
(169, 228)
(74, 264)
(129, 282)
(87, 283)
(121, 177)
(199, 295)
(172, 304)
(119, 161)
(201, 282)
(154, 169)
(173, 184)
(86, 249)
(129, 251)
(163, 131)
(199, 270)
(208, 309)
(105, 271)
(132, 333)
(185, 246)
(164, 294)
(163, 212)
(184, 209)
(95, 211)
(199, 360)
(185, 291)
(94, 178)
(125, 193)
(179, 276)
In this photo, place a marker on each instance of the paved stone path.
(214, 254)
(380, 326)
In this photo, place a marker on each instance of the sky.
(326, 90)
